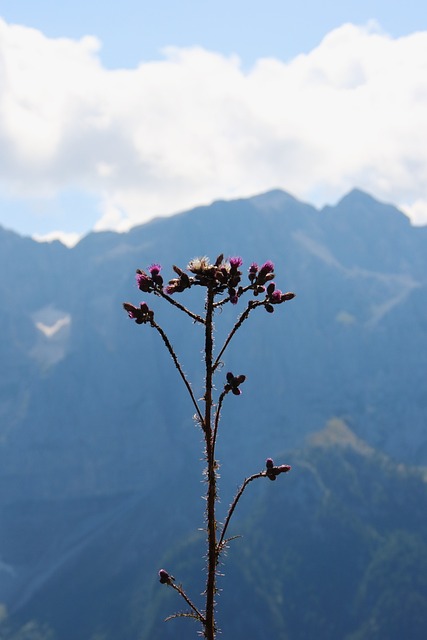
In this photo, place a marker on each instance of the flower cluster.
(222, 275)
(234, 276)
(148, 283)
(141, 314)
(233, 383)
(272, 471)
(258, 276)
(275, 296)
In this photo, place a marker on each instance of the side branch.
(182, 593)
(243, 290)
(217, 416)
(180, 306)
(233, 505)
(178, 366)
(251, 305)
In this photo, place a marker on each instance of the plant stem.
(217, 417)
(175, 303)
(178, 366)
(233, 505)
(182, 593)
(251, 305)
(211, 474)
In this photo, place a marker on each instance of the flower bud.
(235, 262)
(143, 281)
(164, 577)
(141, 314)
(233, 383)
(267, 267)
(287, 296)
(154, 269)
(284, 468)
(272, 471)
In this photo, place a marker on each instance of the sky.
(114, 113)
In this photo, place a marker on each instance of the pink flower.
(143, 281)
(155, 269)
(235, 262)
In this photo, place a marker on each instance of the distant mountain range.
(93, 419)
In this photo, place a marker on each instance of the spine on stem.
(211, 473)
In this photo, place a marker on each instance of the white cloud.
(68, 239)
(194, 127)
(417, 211)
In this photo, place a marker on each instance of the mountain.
(337, 551)
(94, 424)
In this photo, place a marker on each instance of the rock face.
(91, 407)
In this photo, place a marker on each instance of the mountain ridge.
(92, 417)
(273, 198)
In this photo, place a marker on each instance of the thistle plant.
(222, 284)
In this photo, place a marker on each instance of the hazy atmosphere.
(213, 259)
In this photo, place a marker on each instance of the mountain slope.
(91, 411)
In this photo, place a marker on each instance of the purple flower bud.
(155, 269)
(235, 262)
(267, 267)
(164, 577)
(266, 273)
(252, 272)
(276, 296)
(141, 314)
(143, 281)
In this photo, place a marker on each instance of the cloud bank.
(195, 127)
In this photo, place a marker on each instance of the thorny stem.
(210, 628)
(210, 422)
(175, 303)
(178, 366)
(251, 305)
(217, 416)
(188, 601)
(233, 505)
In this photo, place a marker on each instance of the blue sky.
(112, 113)
(136, 30)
